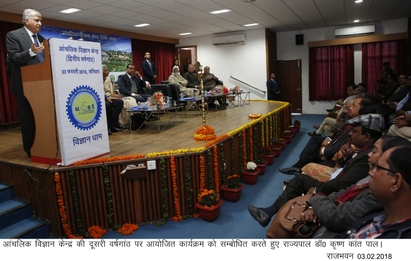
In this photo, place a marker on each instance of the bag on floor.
(124, 118)
(287, 222)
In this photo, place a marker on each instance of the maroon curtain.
(8, 106)
(375, 54)
(331, 68)
(161, 53)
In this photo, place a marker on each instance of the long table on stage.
(105, 197)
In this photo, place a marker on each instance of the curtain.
(375, 54)
(331, 68)
(8, 106)
(162, 54)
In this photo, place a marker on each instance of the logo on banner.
(84, 107)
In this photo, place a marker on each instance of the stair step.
(31, 227)
(6, 192)
(12, 211)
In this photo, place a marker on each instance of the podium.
(38, 89)
(66, 95)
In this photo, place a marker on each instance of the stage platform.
(98, 194)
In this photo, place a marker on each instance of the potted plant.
(231, 190)
(250, 174)
(208, 205)
(297, 125)
(288, 136)
(279, 143)
(267, 154)
(261, 164)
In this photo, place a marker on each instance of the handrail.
(247, 84)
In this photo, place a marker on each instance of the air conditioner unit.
(355, 31)
(233, 39)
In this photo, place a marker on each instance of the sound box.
(299, 39)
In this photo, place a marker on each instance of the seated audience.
(402, 90)
(390, 185)
(176, 78)
(212, 83)
(329, 124)
(114, 103)
(321, 149)
(335, 216)
(192, 78)
(131, 85)
(366, 129)
(401, 127)
(339, 103)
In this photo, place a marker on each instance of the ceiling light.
(248, 1)
(254, 24)
(356, 21)
(141, 25)
(220, 11)
(185, 33)
(70, 11)
(358, 1)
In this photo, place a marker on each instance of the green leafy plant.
(233, 181)
(208, 198)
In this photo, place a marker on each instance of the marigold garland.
(202, 173)
(244, 136)
(102, 160)
(211, 143)
(128, 229)
(176, 200)
(216, 172)
(62, 208)
(96, 231)
(205, 133)
(251, 144)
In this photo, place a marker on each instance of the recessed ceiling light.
(70, 10)
(248, 1)
(356, 21)
(185, 33)
(220, 11)
(254, 24)
(358, 1)
(141, 25)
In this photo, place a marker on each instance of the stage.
(94, 192)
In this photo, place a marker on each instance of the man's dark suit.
(356, 169)
(149, 72)
(272, 88)
(124, 85)
(18, 43)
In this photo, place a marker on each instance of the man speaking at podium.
(24, 47)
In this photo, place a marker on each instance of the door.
(184, 54)
(288, 75)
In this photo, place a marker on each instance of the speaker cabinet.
(299, 39)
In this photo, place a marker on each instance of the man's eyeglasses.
(375, 167)
(131, 68)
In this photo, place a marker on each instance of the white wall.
(244, 62)
(287, 50)
(248, 62)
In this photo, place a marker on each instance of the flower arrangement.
(251, 166)
(157, 99)
(96, 231)
(236, 89)
(297, 122)
(208, 198)
(127, 229)
(259, 160)
(219, 89)
(266, 151)
(233, 181)
(205, 132)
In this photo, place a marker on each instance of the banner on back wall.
(115, 50)
(79, 99)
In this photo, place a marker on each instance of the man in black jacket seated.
(366, 129)
(390, 184)
(322, 149)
